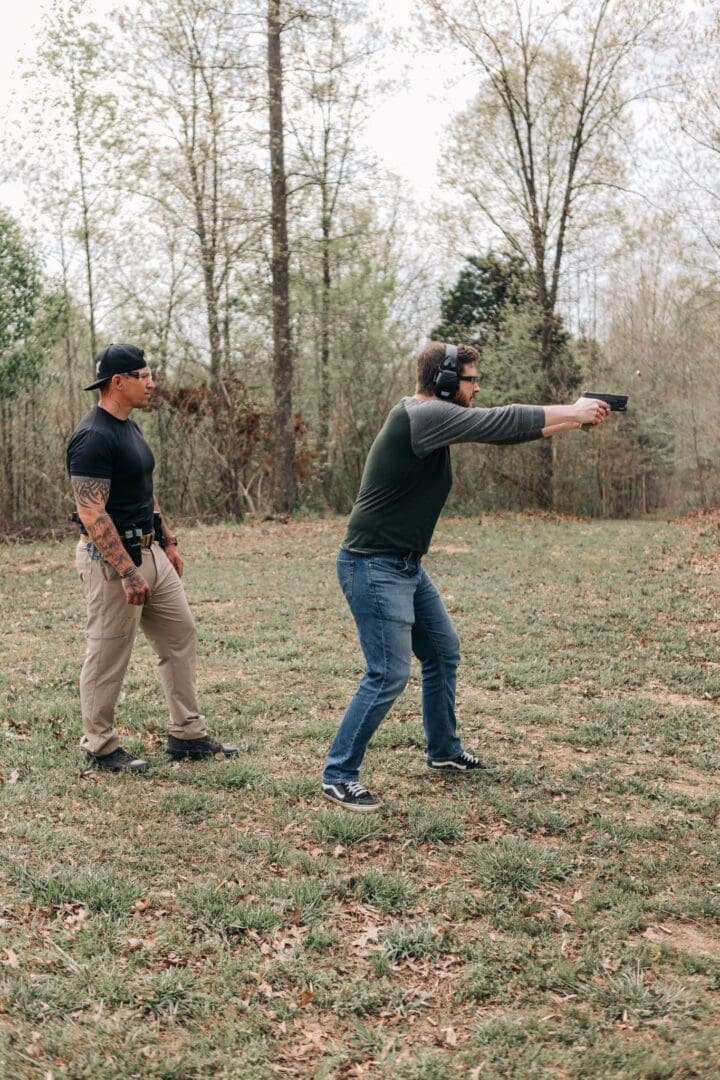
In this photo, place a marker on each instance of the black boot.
(194, 749)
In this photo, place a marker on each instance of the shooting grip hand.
(617, 402)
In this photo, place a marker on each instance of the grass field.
(555, 917)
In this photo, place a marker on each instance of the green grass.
(555, 916)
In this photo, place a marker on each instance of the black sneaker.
(464, 762)
(118, 761)
(195, 749)
(351, 796)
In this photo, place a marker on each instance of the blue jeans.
(397, 611)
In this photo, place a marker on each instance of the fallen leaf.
(11, 958)
(577, 896)
(33, 1049)
(450, 1036)
(368, 937)
(174, 960)
(73, 915)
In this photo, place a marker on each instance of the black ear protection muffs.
(447, 379)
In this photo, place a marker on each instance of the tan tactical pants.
(112, 624)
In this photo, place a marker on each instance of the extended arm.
(557, 429)
(436, 423)
(91, 496)
(560, 418)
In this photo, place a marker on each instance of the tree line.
(198, 184)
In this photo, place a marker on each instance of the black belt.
(145, 540)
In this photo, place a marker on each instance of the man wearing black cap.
(130, 571)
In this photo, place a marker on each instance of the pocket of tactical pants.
(108, 613)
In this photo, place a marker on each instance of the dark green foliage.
(20, 298)
(487, 288)
(493, 306)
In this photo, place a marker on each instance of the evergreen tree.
(492, 306)
(20, 293)
(473, 308)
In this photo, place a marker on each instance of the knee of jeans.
(391, 680)
(449, 652)
(453, 653)
(397, 677)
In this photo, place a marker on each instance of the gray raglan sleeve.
(440, 423)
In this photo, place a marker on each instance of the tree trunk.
(70, 377)
(85, 210)
(324, 406)
(212, 308)
(284, 481)
(7, 454)
(544, 478)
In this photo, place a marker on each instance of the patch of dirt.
(43, 566)
(704, 786)
(687, 781)
(685, 938)
(478, 693)
(680, 701)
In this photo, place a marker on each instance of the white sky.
(405, 131)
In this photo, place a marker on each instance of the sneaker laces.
(356, 789)
(464, 756)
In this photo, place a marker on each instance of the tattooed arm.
(91, 496)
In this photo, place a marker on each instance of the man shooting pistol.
(397, 608)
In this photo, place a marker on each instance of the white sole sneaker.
(334, 793)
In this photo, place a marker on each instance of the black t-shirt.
(110, 449)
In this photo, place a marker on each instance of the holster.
(132, 542)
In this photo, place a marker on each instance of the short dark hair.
(430, 360)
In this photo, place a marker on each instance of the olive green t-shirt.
(408, 472)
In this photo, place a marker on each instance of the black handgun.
(132, 542)
(617, 402)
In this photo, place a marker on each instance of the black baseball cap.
(116, 360)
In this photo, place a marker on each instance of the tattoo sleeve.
(91, 496)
